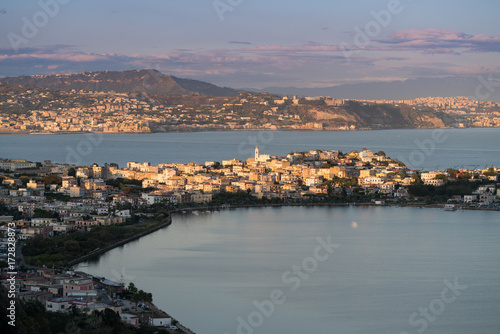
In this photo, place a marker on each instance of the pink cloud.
(440, 41)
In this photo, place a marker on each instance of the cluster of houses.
(84, 198)
(62, 292)
(110, 112)
(91, 200)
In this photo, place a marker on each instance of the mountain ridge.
(146, 81)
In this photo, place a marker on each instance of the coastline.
(243, 206)
(121, 242)
(233, 130)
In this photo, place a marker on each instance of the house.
(487, 198)
(41, 296)
(130, 319)
(151, 198)
(434, 182)
(108, 220)
(401, 193)
(62, 228)
(160, 321)
(45, 231)
(201, 198)
(58, 304)
(43, 221)
(77, 285)
(102, 211)
(313, 181)
(123, 214)
(68, 182)
(470, 198)
(75, 191)
(35, 185)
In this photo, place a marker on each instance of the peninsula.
(148, 101)
(62, 214)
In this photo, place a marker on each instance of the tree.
(72, 172)
(24, 179)
(52, 179)
(40, 213)
(112, 319)
(490, 172)
(464, 176)
(416, 178)
(132, 288)
(440, 177)
(452, 172)
(381, 153)
(71, 245)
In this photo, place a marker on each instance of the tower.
(256, 153)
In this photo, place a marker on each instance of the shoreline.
(243, 206)
(236, 130)
(120, 243)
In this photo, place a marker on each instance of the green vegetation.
(442, 193)
(126, 185)
(52, 179)
(58, 197)
(40, 213)
(241, 198)
(61, 249)
(5, 211)
(490, 172)
(139, 295)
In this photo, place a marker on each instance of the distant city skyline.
(258, 44)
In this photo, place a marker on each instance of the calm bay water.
(209, 270)
(466, 148)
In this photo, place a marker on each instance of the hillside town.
(44, 200)
(86, 196)
(36, 110)
(468, 112)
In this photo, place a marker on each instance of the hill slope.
(148, 81)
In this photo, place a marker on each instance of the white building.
(124, 213)
(152, 198)
(261, 157)
(434, 182)
(164, 321)
(470, 198)
(313, 181)
(130, 319)
(58, 304)
(76, 191)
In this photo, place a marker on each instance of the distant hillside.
(148, 81)
(204, 88)
(367, 115)
(395, 90)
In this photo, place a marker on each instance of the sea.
(425, 149)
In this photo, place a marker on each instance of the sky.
(254, 43)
